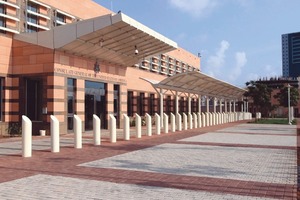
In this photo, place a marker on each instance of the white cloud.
(216, 61)
(197, 8)
(241, 61)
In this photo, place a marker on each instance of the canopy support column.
(215, 104)
(199, 103)
(221, 109)
(207, 104)
(161, 98)
(233, 105)
(189, 103)
(176, 103)
(230, 104)
(225, 109)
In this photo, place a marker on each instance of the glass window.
(1, 98)
(34, 98)
(60, 17)
(32, 7)
(32, 18)
(71, 102)
(151, 105)
(130, 103)
(117, 103)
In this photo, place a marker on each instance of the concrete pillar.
(242, 107)
(229, 106)
(213, 118)
(126, 127)
(221, 106)
(173, 123)
(225, 106)
(210, 119)
(176, 103)
(179, 122)
(199, 120)
(138, 126)
(185, 125)
(161, 98)
(96, 130)
(217, 118)
(148, 124)
(189, 104)
(26, 137)
(54, 132)
(199, 104)
(233, 105)
(112, 129)
(157, 123)
(166, 123)
(77, 132)
(190, 120)
(203, 119)
(215, 104)
(207, 104)
(247, 106)
(195, 117)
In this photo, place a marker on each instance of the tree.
(282, 96)
(261, 96)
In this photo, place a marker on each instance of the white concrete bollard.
(217, 118)
(112, 128)
(54, 132)
(195, 120)
(213, 119)
(210, 119)
(96, 130)
(26, 137)
(199, 120)
(148, 124)
(179, 122)
(138, 126)
(190, 120)
(157, 123)
(185, 125)
(203, 119)
(207, 119)
(126, 127)
(173, 123)
(77, 132)
(166, 123)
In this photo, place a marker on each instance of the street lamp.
(289, 104)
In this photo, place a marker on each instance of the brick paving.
(191, 164)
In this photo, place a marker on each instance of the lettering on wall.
(72, 72)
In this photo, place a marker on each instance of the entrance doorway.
(95, 103)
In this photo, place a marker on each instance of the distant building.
(291, 54)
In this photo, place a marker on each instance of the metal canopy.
(111, 38)
(199, 83)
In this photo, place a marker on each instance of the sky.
(239, 40)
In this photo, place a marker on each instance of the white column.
(225, 109)
(26, 137)
(138, 126)
(207, 104)
(173, 123)
(96, 130)
(148, 124)
(215, 104)
(189, 104)
(161, 97)
(221, 106)
(166, 123)
(126, 127)
(176, 103)
(233, 105)
(112, 129)
(199, 104)
(157, 123)
(229, 106)
(77, 132)
(54, 131)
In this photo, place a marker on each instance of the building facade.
(77, 57)
(291, 54)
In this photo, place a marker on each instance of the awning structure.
(199, 83)
(111, 38)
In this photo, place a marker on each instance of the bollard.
(199, 120)
(173, 123)
(126, 128)
(207, 119)
(26, 137)
(96, 130)
(185, 125)
(148, 124)
(190, 118)
(54, 131)
(213, 119)
(195, 120)
(157, 123)
(112, 129)
(77, 132)
(203, 120)
(166, 123)
(178, 121)
(138, 126)
(210, 119)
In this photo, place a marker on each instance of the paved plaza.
(230, 161)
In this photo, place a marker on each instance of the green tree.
(261, 97)
(282, 96)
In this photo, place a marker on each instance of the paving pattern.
(232, 161)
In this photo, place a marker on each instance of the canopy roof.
(199, 83)
(112, 38)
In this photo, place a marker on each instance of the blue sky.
(239, 40)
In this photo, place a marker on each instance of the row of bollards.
(177, 122)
